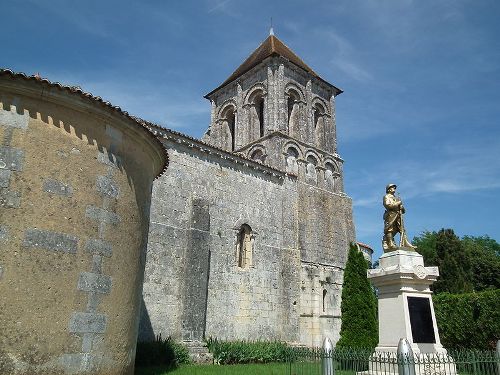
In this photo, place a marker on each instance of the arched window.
(244, 246)
(330, 176)
(319, 125)
(227, 131)
(231, 123)
(293, 103)
(324, 300)
(291, 161)
(311, 175)
(260, 111)
(258, 155)
(256, 115)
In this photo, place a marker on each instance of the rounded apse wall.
(75, 190)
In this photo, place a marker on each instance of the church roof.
(76, 90)
(272, 46)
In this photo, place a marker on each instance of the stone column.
(333, 128)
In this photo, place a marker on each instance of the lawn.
(299, 368)
(249, 369)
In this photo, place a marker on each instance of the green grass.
(302, 368)
(248, 369)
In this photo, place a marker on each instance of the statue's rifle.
(403, 241)
(402, 238)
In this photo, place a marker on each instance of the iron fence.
(366, 362)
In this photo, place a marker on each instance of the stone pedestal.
(405, 306)
(406, 310)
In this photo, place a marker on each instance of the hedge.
(468, 321)
(233, 352)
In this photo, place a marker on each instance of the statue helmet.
(389, 186)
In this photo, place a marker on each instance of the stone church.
(250, 226)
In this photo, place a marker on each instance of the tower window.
(258, 155)
(330, 176)
(311, 175)
(319, 125)
(256, 115)
(293, 113)
(230, 121)
(244, 246)
(260, 111)
(324, 300)
(291, 161)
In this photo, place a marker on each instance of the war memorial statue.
(405, 308)
(393, 222)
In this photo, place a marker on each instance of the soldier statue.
(393, 222)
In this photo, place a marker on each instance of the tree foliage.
(469, 320)
(359, 305)
(465, 265)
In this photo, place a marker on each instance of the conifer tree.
(359, 305)
(454, 264)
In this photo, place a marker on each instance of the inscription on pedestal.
(422, 328)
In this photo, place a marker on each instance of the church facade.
(250, 226)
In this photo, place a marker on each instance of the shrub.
(161, 352)
(233, 352)
(359, 305)
(468, 321)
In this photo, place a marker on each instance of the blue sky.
(421, 106)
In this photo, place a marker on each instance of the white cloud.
(459, 168)
(219, 6)
(352, 70)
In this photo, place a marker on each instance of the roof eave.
(337, 91)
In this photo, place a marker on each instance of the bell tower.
(275, 100)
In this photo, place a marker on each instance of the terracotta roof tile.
(78, 91)
(272, 46)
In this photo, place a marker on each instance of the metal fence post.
(327, 357)
(498, 357)
(406, 361)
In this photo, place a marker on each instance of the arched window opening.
(245, 246)
(311, 175)
(258, 155)
(291, 161)
(319, 125)
(231, 123)
(330, 177)
(260, 111)
(255, 115)
(324, 300)
(293, 112)
(226, 133)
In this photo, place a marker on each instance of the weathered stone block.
(13, 119)
(82, 322)
(106, 186)
(5, 178)
(4, 232)
(9, 199)
(11, 158)
(100, 247)
(57, 187)
(49, 240)
(79, 363)
(94, 282)
(101, 215)
(109, 159)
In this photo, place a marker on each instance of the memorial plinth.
(405, 310)
(405, 306)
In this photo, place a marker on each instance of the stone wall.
(75, 182)
(194, 287)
